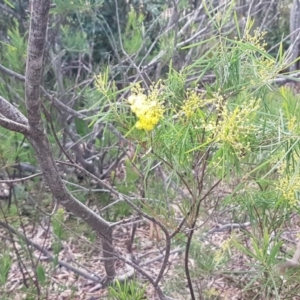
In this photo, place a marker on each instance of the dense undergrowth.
(197, 168)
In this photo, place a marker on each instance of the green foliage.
(206, 260)
(13, 210)
(265, 254)
(82, 127)
(57, 223)
(59, 232)
(41, 274)
(22, 151)
(228, 134)
(127, 290)
(63, 7)
(133, 35)
(16, 50)
(74, 42)
(238, 129)
(166, 42)
(230, 130)
(99, 26)
(5, 265)
(9, 3)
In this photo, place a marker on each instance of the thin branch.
(13, 126)
(48, 254)
(50, 97)
(132, 220)
(159, 257)
(62, 106)
(12, 113)
(20, 179)
(12, 73)
(228, 226)
(144, 273)
(129, 201)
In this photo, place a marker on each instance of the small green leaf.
(40, 273)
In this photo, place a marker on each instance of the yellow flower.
(148, 109)
(289, 187)
(257, 39)
(234, 126)
(191, 104)
(144, 124)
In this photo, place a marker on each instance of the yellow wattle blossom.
(196, 100)
(148, 108)
(289, 186)
(191, 104)
(264, 65)
(266, 69)
(257, 39)
(235, 126)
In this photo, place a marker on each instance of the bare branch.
(48, 254)
(12, 73)
(12, 113)
(50, 97)
(34, 64)
(160, 257)
(14, 126)
(20, 179)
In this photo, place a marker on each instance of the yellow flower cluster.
(191, 104)
(289, 187)
(147, 108)
(233, 127)
(264, 65)
(257, 39)
(195, 101)
(266, 69)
